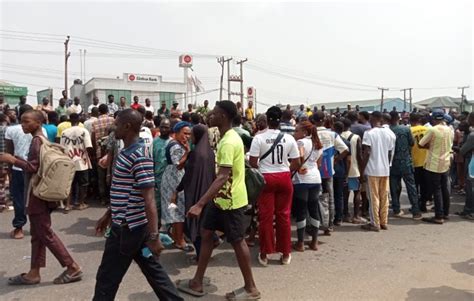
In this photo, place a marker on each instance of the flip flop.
(65, 278)
(241, 294)
(205, 281)
(183, 286)
(186, 248)
(21, 280)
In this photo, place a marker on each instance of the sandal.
(21, 280)
(65, 278)
(183, 286)
(242, 294)
(186, 248)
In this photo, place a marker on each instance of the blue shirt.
(51, 130)
(133, 172)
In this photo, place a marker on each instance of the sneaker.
(383, 227)
(398, 214)
(417, 216)
(433, 220)
(285, 261)
(370, 227)
(263, 262)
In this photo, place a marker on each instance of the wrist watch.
(154, 236)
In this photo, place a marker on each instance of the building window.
(169, 97)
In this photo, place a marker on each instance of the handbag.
(254, 180)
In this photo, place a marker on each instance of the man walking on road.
(133, 217)
(226, 212)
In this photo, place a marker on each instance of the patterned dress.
(169, 182)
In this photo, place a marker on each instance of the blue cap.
(448, 118)
(438, 114)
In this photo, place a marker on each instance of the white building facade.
(130, 85)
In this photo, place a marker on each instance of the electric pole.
(411, 104)
(66, 57)
(228, 77)
(241, 63)
(405, 98)
(85, 65)
(220, 60)
(381, 99)
(462, 97)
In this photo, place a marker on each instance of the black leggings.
(306, 199)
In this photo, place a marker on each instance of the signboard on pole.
(251, 94)
(45, 93)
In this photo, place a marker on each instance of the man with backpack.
(340, 180)
(332, 142)
(38, 209)
(353, 182)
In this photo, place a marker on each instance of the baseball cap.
(175, 102)
(438, 114)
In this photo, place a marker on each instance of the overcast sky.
(298, 52)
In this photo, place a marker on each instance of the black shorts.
(81, 178)
(231, 222)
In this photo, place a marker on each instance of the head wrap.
(180, 125)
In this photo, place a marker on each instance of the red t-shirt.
(135, 106)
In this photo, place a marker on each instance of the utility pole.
(462, 96)
(411, 104)
(228, 77)
(405, 98)
(66, 57)
(241, 63)
(85, 51)
(381, 99)
(220, 60)
(80, 56)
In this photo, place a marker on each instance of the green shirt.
(159, 158)
(61, 111)
(230, 153)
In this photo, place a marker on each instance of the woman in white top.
(307, 184)
(270, 153)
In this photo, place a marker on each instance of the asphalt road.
(410, 261)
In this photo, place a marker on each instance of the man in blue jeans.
(18, 144)
(402, 168)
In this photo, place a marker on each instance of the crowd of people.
(183, 172)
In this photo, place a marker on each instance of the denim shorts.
(353, 184)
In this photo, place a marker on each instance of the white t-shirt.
(381, 141)
(21, 141)
(88, 123)
(150, 108)
(77, 108)
(277, 161)
(89, 109)
(76, 140)
(354, 168)
(330, 141)
(147, 137)
(312, 176)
